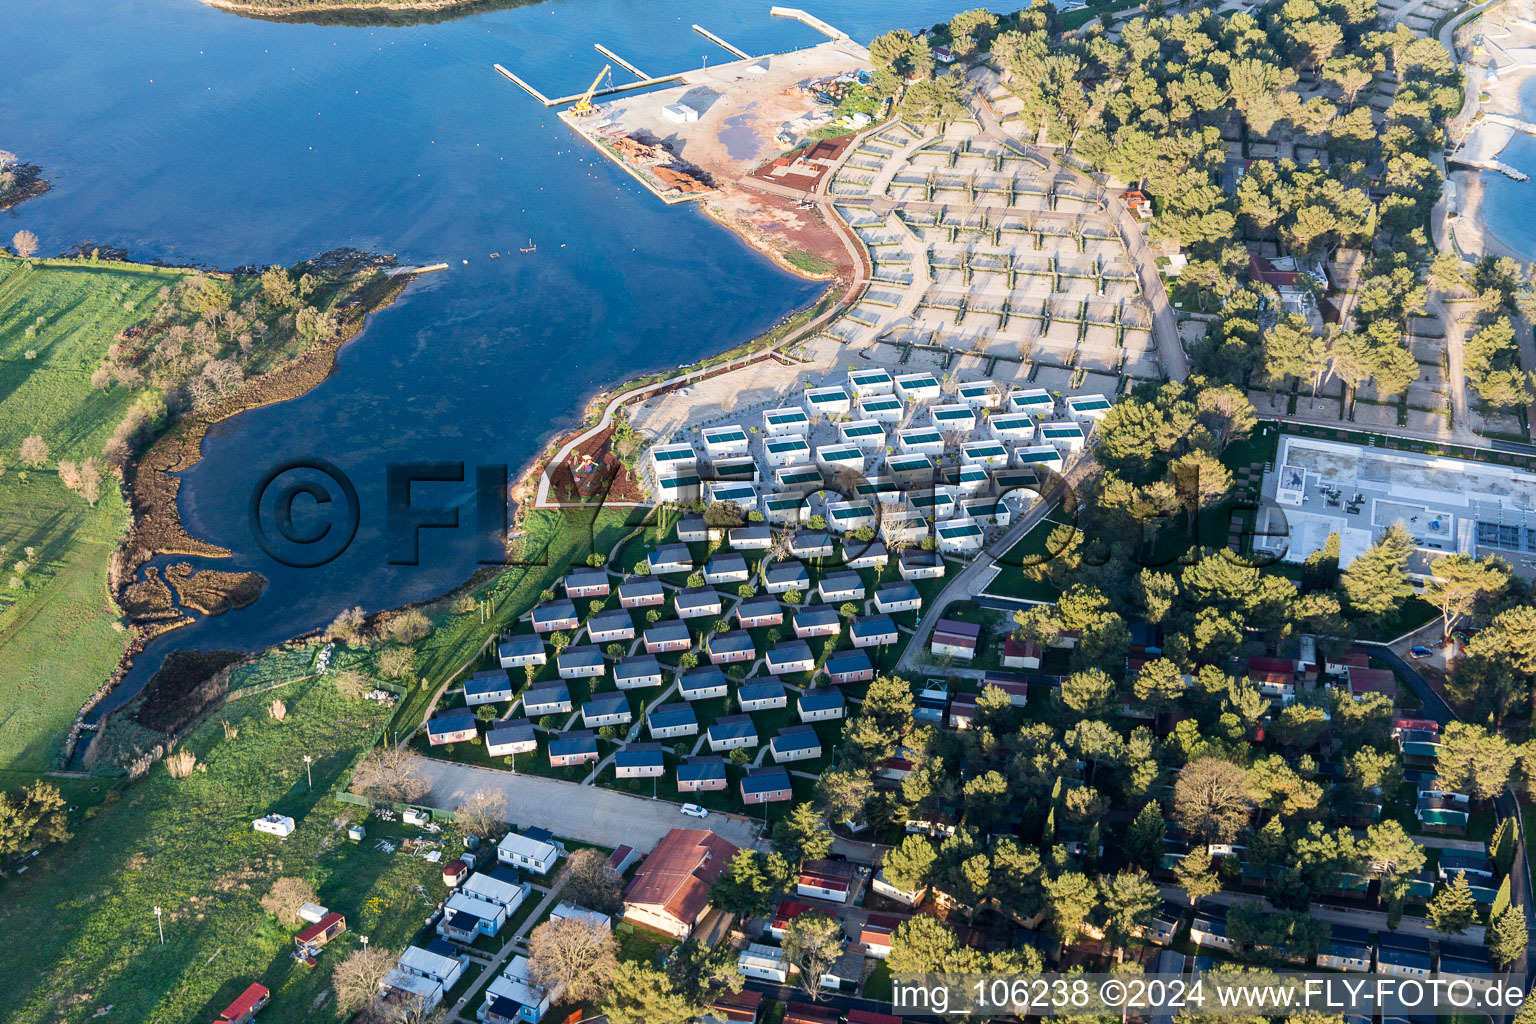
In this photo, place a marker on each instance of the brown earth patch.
(213, 592)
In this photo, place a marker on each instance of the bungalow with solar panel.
(782, 577)
(583, 662)
(864, 554)
(509, 737)
(671, 721)
(451, 729)
(671, 471)
(728, 440)
(969, 478)
(1067, 437)
(990, 454)
(789, 420)
(786, 450)
(960, 536)
(841, 586)
(753, 537)
(697, 602)
(553, 615)
(879, 488)
(864, 383)
(849, 667)
(865, 435)
(840, 458)
(979, 394)
(1087, 409)
(606, 709)
(829, 402)
(736, 491)
(554, 699)
(847, 516)
(522, 650)
(1013, 428)
(821, 705)
(883, 409)
(732, 732)
(640, 761)
(703, 774)
(1037, 402)
(1038, 456)
(797, 481)
(637, 672)
(810, 544)
(730, 647)
(917, 388)
(909, 470)
(583, 583)
(790, 656)
(987, 511)
(702, 683)
(487, 688)
(897, 597)
(667, 636)
(817, 620)
(726, 567)
(670, 558)
(572, 748)
(740, 469)
(642, 593)
(683, 488)
(905, 527)
(795, 743)
(609, 625)
(760, 611)
(936, 504)
(945, 418)
(874, 631)
(762, 694)
(766, 785)
(920, 441)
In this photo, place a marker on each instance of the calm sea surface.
(190, 135)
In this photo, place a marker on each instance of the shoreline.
(299, 11)
(1470, 189)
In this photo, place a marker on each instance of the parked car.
(1420, 651)
(694, 810)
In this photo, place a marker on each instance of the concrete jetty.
(810, 19)
(707, 34)
(530, 89)
(620, 61)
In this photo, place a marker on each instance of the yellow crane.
(584, 105)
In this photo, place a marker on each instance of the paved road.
(588, 814)
(1355, 917)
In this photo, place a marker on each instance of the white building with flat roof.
(1448, 505)
(788, 420)
(865, 383)
(882, 409)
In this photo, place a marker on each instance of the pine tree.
(1196, 876)
(1453, 911)
(1502, 846)
(1500, 901)
(1144, 838)
(1376, 583)
(1507, 936)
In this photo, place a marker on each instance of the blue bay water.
(190, 135)
(1506, 202)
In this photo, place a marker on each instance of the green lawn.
(77, 931)
(59, 636)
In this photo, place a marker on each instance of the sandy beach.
(1472, 232)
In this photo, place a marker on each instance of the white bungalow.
(907, 470)
(765, 963)
(1037, 402)
(784, 509)
(920, 441)
(865, 383)
(833, 401)
(798, 480)
(991, 454)
(741, 468)
(973, 479)
(847, 516)
(882, 409)
(960, 536)
(731, 440)
(865, 434)
(917, 387)
(839, 458)
(786, 450)
(987, 511)
(788, 420)
(953, 417)
(978, 394)
(742, 494)
(1068, 437)
(1038, 455)
(936, 504)
(903, 527)
(1013, 427)
(1087, 409)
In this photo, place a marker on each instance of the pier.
(707, 34)
(573, 97)
(620, 61)
(810, 19)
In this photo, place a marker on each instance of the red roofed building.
(244, 1009)
(313, 938)
(808, 1013)
(738, 1007)
(1372, 680)
(670, 891)
(788, 910)
(1264, 663)
(875, 936)
(1020, 653)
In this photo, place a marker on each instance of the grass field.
(77, 931)
(58, 633)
